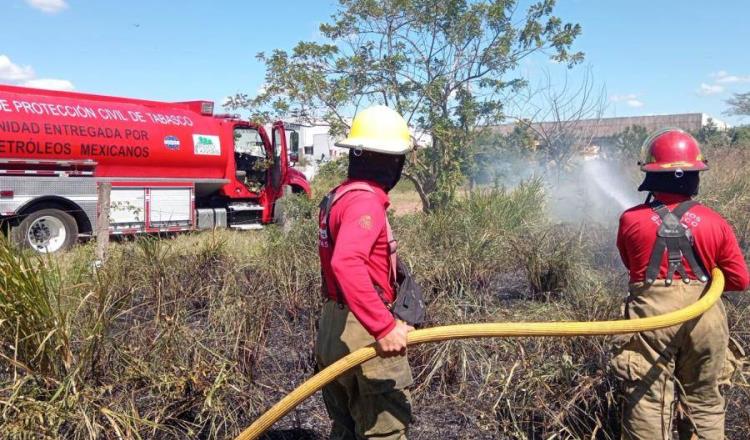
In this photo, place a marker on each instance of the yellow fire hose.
(462, 331)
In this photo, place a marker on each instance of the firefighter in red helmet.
(669, 245)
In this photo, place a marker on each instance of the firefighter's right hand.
(394, 343)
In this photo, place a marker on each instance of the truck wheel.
(46, 231)
(279, 213)
(280, 209)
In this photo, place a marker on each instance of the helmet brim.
(395, 147)
(674, 166)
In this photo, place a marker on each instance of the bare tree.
(564, 118)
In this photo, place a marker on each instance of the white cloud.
(635, 103)
(10, 71)
(620, 98)
(25, 76)
(50, 84)
(710, 89)
(48, 6)
(721, 80)
(630, 99)
(723, 77)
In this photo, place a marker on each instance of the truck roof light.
(207, 108)
(6, 194)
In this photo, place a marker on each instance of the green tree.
(446, 65)
(712, 136)
(497, 154)
(626, 145)
(739, 104)
(741, 136)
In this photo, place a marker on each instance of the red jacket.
(715, 244)
(360, 258)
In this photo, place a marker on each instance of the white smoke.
(591, 190)
(595, 191)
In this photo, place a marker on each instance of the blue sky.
(657, 56)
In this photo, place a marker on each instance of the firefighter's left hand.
(394, 343)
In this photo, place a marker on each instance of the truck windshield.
(250, 158)
(248, 141)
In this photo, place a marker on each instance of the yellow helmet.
(379, 129)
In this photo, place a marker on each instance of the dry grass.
(193, 336)
(404, 203)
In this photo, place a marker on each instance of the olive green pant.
(371, 401)
(690, 358)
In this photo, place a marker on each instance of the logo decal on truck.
(206, 145)
(172, 143)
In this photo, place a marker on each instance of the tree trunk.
(426, 207)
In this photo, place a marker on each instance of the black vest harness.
(677, 241)
(408, 305)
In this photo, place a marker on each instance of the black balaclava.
(384, 169)
(687, 184)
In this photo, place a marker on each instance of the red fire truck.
(172, 166)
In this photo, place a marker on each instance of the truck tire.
(279, 213)
(280, 209)
(46, 231)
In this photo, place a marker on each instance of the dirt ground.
(405, 202)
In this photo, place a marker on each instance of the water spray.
(596, 171)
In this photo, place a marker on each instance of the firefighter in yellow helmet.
(358, 265)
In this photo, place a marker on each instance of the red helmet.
(671, 149)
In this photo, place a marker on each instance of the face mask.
(384, 169)
(687, 184)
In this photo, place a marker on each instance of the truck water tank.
(125, 137)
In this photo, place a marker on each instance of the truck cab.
(261, 173)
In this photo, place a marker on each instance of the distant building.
(600, 131)
(313, 139)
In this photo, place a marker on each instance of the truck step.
(250, 227)
(245, 207)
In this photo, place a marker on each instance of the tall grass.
(726, 186)
(193, 336)
(34, 323)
